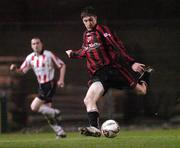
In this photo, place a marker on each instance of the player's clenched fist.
(68, 52)
(13, 67)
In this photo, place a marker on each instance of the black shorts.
(47, 90)
(110, 77)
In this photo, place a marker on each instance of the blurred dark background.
(150, 30)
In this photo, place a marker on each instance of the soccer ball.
(110, 128)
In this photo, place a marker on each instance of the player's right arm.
(15, 69)
(68, 52)
(79, 54)
(23, 68)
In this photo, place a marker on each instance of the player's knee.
(87, 101)
(34, 108)
(142, 92)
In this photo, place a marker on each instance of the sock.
(49, 114)
(145, 78)
(93, 118)
(54, 124)
(46, 110)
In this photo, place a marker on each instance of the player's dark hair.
(88, 11)
(35, 37)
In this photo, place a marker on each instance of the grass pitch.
(126, 139)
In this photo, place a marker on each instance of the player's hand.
(138, 67)
(13, 67)
(68, 52)
(60, 83)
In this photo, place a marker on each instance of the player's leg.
(38, 105)
(94, 93)
(54, 123)
(43, 104)
(143, 83)
(145, 75)
(51, 115)
(141, 89)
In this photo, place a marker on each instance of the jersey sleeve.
(118, 45)
(123, 51)
(57, 61)
(79, 54)
(25, 66)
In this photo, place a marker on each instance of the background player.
(43, 63)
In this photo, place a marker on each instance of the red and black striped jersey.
(101, 47)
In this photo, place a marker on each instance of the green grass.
(126, 139)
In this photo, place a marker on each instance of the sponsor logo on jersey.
(107, 34)
(92, 46)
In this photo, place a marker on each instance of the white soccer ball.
(110, 128)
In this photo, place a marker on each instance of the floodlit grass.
(126, 139)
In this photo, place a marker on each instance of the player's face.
(36, 45)
(90, 22)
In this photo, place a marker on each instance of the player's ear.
(95, 17)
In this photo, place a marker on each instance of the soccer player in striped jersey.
(43, 63)
(109, 66)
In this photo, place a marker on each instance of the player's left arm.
(77, 54)
(62, 75)
(118, 44)
(136, 66)
(15, 69)
(24, 68)
(62, 70)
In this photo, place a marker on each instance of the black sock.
(146, 78)
(93, 118)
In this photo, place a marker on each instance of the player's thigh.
(36, 103)
(49, 104)
(95, 91)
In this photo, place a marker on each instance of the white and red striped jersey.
(42, 65)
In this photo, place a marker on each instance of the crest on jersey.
(107, 34)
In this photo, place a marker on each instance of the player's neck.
(39, 53)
